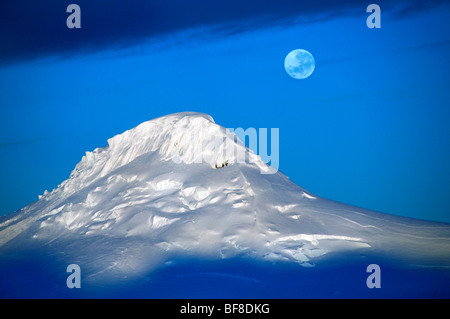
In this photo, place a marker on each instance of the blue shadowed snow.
(341, 277)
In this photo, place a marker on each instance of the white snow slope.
(155, 193)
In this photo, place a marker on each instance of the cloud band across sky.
(31, 29)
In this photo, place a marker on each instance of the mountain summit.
(174, 187)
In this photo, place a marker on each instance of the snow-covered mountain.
(182, 187)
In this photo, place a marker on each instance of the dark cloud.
(33, 28)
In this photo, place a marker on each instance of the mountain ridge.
(149, 196)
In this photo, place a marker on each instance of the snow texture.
(161, 191)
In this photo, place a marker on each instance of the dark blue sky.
(369, 127)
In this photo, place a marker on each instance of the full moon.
(299, 64)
